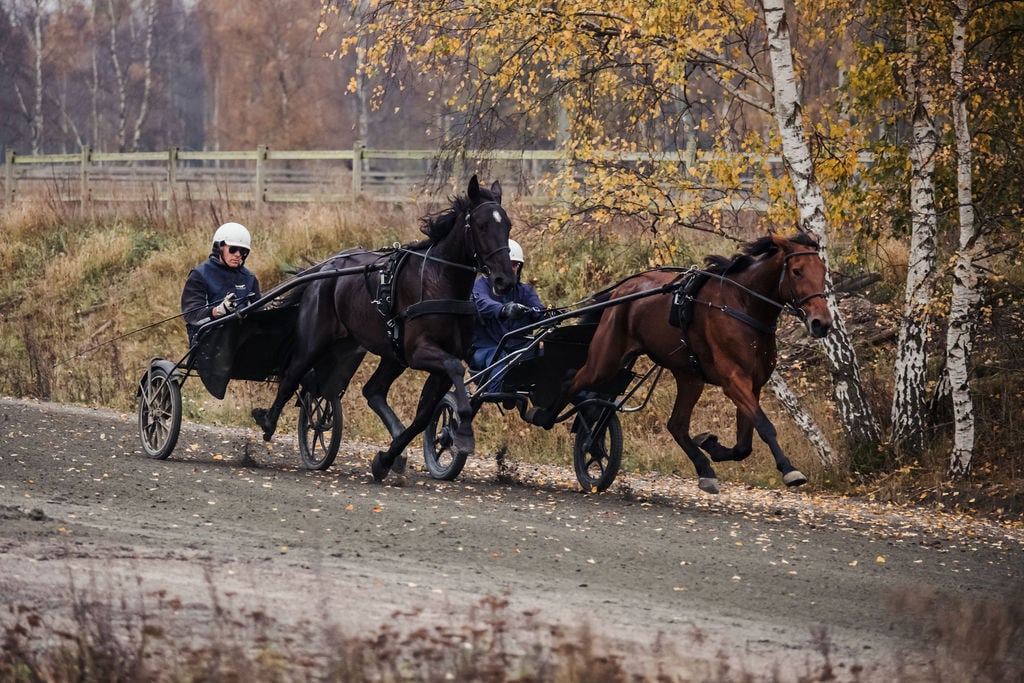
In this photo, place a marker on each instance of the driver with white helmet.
(496, 315)
(218, 285)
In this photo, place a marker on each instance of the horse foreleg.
(465, 442)
(434, 389)
(791, 476)
(688, 391)
(744, 441)
(741, 392)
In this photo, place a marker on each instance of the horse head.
(488, 227)
(802, 282)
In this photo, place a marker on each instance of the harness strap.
(396, 324)
(439, 307)
(743, 317)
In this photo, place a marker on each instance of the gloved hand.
(227, 305)
(513, 310)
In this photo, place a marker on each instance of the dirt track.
(757, 574)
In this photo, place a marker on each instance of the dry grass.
(121, 633)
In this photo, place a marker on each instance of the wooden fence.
(261, 176)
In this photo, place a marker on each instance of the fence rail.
(260, 177)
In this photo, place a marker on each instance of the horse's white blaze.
(496, 216)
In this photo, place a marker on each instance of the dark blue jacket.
(208, 284)
(490, 327)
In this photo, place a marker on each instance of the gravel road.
(757, 578)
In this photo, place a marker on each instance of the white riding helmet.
(515, 252)
(233, 235)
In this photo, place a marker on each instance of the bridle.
(481, 261)
(794, 305)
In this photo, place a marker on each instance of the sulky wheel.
(442, 458)
(597, 459)
(319, 430)
(159, 412)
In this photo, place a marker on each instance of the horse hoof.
(465, 445)
(794, 478)
(260, 416)
(708, 484)
(398, 466)
(377, 467)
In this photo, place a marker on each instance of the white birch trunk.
(826, 454)
(966, 290)
(911, 356)
(855, 412)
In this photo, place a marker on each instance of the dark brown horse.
(728, 339)
(411, 308)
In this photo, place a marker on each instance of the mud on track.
(754, 576)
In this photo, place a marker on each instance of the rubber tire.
(159, 413)
(318, 416)
(442, 460)
(585, 463)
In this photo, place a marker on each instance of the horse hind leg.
(687, 394)
(267, 418)
(375, 391)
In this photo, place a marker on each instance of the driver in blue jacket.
(218, 285)
(496, 315)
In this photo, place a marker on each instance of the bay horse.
(412, 309)
(727, 341)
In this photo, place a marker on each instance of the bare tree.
(26, 18)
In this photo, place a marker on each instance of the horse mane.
(438, 225)
(751, 252)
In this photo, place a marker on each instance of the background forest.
(866, 124)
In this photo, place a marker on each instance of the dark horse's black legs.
(434, 389)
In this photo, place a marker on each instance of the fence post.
(261, 188)
(9, 178)
(357, 169)
(83, 191)
(172, 177)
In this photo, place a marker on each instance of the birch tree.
(856, 413)
(919, 94)
(911, 352)
(966, 290)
